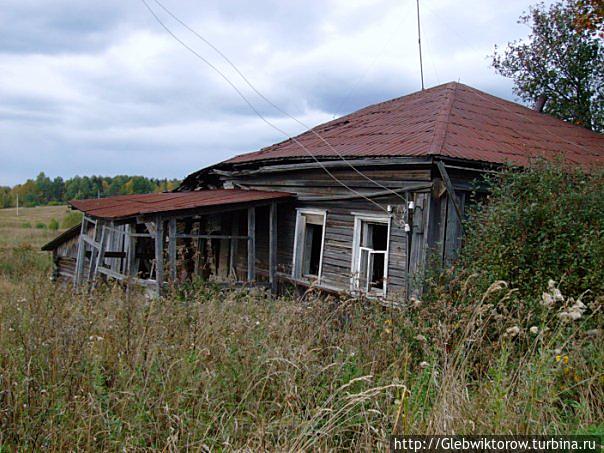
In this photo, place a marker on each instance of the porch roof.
(126, 206)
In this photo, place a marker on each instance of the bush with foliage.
(53, 224)
(40, 225)
(71, 219)
(539, 224)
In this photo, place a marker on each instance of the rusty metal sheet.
(451, 120)
(125, 206)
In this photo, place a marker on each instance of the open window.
(370, 255)
(308, 246)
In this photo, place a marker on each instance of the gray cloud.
(100, 88)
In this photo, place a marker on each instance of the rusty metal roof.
(451, 120)
(66, 235)
(125, 206)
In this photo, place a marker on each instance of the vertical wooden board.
(251, 244)
(437, 228)
(234, 247)
(100, 260)
(272, 265)
(397, 259)
(131, 252)
(417, 253)
(81, 253)
(172, 248)
(454, 231)
(159, 254)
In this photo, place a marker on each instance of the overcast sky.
(98, 87)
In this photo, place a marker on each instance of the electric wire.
(271, 103)
(262, 117)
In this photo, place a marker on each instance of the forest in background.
(43, 191)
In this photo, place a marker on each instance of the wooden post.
(102, 246)
(234, 246)
(81, 254)
(159, 254)
(272, 250)
(251, 244)
(450, 190)
(93, 250)
(131, 270)
(172, 248)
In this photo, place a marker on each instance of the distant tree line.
(45, 191)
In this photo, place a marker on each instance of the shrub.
(71, 219)
(26, 225)
(40, 225)
(53, 224)
(543, 223)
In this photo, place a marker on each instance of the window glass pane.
(310, 249)
(371, 266)
(363, 266)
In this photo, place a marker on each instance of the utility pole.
(419, 42)
(17, 205)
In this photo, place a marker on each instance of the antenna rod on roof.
(419, 42)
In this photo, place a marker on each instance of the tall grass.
(209, 369)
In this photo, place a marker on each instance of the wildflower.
(416, 302)
(512, 331)
(534, 330)
(257, 323)
(387, 331)
(388, 321)
(552, 295)
(573, 313)
(547, 300)
(424, 365)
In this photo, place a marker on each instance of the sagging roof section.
(63, 237)
(451, 120)
(127, 206)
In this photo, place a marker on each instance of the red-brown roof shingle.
(451, 120)
(125, 206)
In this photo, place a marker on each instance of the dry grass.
(18, 230)
(205, 369)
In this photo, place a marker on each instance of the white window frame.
(355, 264)
(299, 241)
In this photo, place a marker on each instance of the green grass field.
(21, 230)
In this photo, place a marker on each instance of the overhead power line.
(271, 103)
(262, 117)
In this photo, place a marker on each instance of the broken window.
(308, 247)
(370, 260)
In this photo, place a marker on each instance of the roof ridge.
(442, 121)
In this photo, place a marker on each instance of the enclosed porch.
(156, 240)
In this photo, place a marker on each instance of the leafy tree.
(43, 190)
(562, 62)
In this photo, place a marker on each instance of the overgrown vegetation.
(206, 368)
(546, 222)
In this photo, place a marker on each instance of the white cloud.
(99, 87)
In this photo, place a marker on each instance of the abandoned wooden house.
(357, 205)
